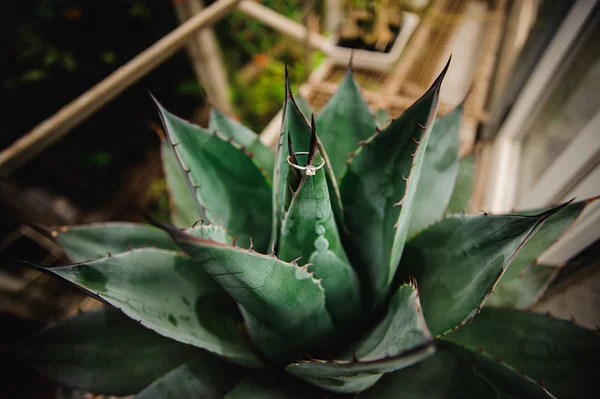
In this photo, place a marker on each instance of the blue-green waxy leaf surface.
(562, 354)
(378, 190)
(95, 241)
(230, 128)
(185, 210)
(283, 305)
(455, 372)
(170, 294)
(303, 106)
(343, 122)
(525, 280)
(461, 196)
(439, 171)
(296, 127)
(309, 232)
(458, 261)
(279, 388)
(524, 290)
(227, 182)
(103, 351)
(206, 377)
(399, 340)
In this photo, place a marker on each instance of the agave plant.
(330, 266)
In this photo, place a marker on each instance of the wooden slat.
(55, 127)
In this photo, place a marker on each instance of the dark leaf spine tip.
(421, 126)
(288, 90)
(417, 142)
(404, 178)
(312, 150)
(590, 200)
(251, 248)
(234, 240)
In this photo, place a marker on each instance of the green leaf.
(378, 191)
(439, 171)
(382, 118)
(525, 281)
(333, 188)
(170, 294)
(559, 352)
(228, 183)
(295, 126)
(185, 210)
(280, 388)
(214, 232)
(207, 377)
(402, 329)
(455, 372)
(95, 241)
(461, 196)
(343, 122)
(303, 105)
(245, 137)
(458, 261)
(399, 340)
(547, 235)
(283, 305)
(524, 290)
(93, 352)
(309, 231)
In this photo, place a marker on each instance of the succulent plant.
(330, 266)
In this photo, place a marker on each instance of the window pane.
(573, 101)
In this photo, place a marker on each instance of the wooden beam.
(206, 57)
(414, 48)
(284, 25)
(55, 127)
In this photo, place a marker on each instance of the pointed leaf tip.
(312, 149)
(545, 215)
(288, 90)
(438, 81)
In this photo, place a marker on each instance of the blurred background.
(79, 132)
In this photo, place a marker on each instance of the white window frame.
(501, 190)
